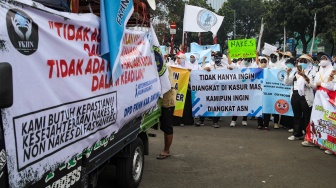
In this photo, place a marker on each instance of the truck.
(65, 115)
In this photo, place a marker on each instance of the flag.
(197, 19)
(194, 47)
(114, 16)
(200, 55)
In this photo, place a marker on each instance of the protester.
(245, 63)
(187, 118)
(166, 118)
(324, 72)
(302, 95)
(324, 78)
(274, 62)
(217, 63)
(316, 63)
(193, 64)
(180, 61)
(263, 121)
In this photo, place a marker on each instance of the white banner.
(64, 98)
(235, 92)
(197, 19)
(322, 127)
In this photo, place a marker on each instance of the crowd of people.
(304, 74)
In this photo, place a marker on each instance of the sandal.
(259, 127)
(160, 156)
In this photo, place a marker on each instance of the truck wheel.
(130, 169)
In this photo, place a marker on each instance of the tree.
(298, 17)
(173, 11)
(248, 14)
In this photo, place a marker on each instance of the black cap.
(219, 54)
(290, 60)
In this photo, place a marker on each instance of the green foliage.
(296, 15)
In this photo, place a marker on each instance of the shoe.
(182, 125)
(233, 124)
(259, 128)
(307, 144)
(276, 126)
(290, 130)
(215, 125)
(244, 123)
(294, 138)
(199, 123)
(329, 152)
(266, 128)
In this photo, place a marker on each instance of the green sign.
(245, 48)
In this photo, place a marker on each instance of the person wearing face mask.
(316, 63)
(274, 62)
(193, 64)
(263, 121)
(302, 95)
(245, 63)
(325, 78)
(324, 72)
(218, 62)
(180, 61)
(283, 120)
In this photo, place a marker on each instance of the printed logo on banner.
(281, 75)
(22, 31)
(206, 19)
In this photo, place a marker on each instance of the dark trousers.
(301, 112)
(234, 118)
(286, 121)
(214, 119)
(264, 121)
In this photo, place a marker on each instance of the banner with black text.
(235, 92)
(64, 97)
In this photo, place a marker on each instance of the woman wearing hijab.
(263, 121)
(324, 71)
(324, 77)
(302, 95)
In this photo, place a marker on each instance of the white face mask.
(192, 60)
(324, 63)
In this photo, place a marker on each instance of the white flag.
(197, 19)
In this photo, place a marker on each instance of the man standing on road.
(166, 119)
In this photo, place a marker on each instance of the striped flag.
(114, 16)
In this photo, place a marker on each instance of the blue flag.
(194, 47)
(114, 16)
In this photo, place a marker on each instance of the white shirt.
(193, 66)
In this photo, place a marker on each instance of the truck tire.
(130, 169)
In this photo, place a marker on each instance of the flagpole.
(312, 45)
(199, 38)
(260, 33)
(284, 49)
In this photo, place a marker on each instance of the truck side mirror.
(6, 85)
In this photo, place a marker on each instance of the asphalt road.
(233, 157)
